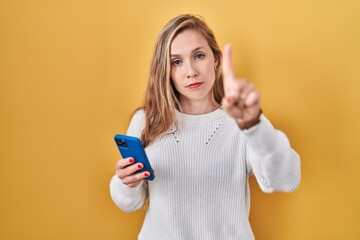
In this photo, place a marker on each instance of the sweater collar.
(201, 118)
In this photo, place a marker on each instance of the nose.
(191, 71)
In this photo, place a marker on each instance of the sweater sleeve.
(126, 198)
(271, 159)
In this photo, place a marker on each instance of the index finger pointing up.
(228, 71)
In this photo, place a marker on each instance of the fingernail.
(131, 160)
(146, 174)
(139, 166)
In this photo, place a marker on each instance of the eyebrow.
(194, 50)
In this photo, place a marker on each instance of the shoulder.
(137, 123)
(139, 115)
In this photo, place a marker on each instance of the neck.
(197, 107)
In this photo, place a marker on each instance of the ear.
(216, 62)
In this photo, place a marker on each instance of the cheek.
(208, 65)
(175, 76)
(210, 70)
(174, 82)
(172, 74)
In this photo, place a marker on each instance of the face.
(192, 67)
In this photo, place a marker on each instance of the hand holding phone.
(135, 165)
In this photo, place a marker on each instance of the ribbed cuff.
(124, 189)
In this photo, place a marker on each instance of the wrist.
(250, 123)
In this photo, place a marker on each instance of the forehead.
(188, 40)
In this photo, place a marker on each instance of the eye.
(176, 62)
(199, 56)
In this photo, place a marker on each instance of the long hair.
(161, 98)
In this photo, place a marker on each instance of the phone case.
(132, 147)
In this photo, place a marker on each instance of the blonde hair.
(161, 98)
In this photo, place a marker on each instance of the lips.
(194, 85)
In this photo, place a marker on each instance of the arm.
(271, 159)
(129, 193)
(126, 198)
(269, 155)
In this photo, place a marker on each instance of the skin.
(242, 100)
(125, 170)
(192, 60)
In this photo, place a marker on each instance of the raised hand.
(241, 100)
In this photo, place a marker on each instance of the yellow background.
(73, 71)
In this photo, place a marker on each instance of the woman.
(204, 134)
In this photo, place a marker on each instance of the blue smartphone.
(132, 147)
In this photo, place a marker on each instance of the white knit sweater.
(201, 185)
